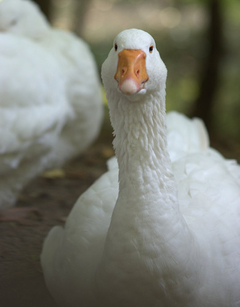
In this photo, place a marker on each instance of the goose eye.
(151, 49)
(115, 47)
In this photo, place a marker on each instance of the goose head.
(22, 17)
(134, 67)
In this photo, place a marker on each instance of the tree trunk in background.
(81, 11)
(45, 6)
(203, 106)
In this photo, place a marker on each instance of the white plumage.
(50, 101)
(168, 234)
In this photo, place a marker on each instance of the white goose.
(171, 235)
(50, 101)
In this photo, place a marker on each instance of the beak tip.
(129, 87)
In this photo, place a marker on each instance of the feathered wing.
(70, 255)
(185, 135)
(206, 180)
(209, 197)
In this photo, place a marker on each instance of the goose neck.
(141, 147)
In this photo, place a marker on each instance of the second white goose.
(50, 100)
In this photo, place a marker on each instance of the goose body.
(50, 100)
(161, 227)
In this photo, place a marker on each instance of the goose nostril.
(123, 71)
(137, 73)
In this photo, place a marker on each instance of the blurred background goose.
(166, 235)
(50, 99)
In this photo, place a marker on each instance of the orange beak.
(131, 72)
